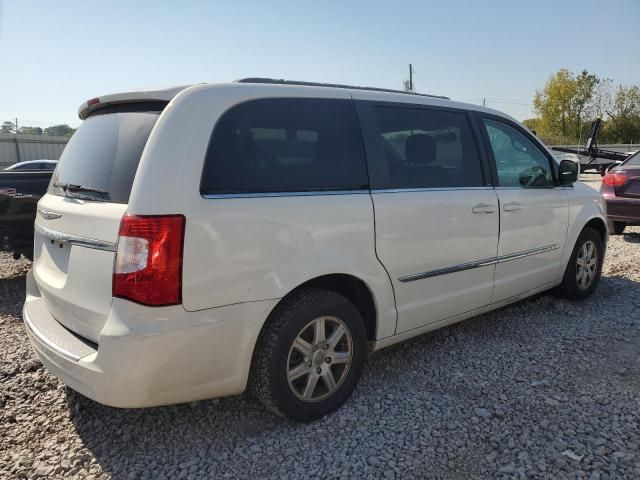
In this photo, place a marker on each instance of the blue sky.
(54, 55)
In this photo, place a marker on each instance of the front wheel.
(309, 356)
(585, 266)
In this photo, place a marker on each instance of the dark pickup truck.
(19, 195)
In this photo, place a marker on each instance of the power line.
(421, 80)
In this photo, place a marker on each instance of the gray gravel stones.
(10, 268)
(543, 389)
(12, 273)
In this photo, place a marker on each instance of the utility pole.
(484, 102)
(17, 143)
(411, 78)
(408, 84)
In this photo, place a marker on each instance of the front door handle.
(512, 207)
(483, 208)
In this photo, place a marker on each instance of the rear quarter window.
(285, 145)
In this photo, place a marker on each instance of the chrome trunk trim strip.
(71, 239)
(48, 214)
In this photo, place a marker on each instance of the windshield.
(101, 159)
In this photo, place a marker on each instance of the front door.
(533, 211)
(436, 217)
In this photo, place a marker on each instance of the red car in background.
(621, 190)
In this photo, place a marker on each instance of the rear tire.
(585, 266)
(618, 228)
(309, 355)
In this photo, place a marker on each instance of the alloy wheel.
(319, 359)
(586, 264)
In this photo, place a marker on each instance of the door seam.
(375, 250)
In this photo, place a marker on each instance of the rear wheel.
(585, 266)
(618, 228)
(309, 356)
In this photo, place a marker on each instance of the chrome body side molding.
(526, 253)
(477, 264)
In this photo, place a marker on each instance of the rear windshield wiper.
(72, 187)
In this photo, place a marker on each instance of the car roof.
(286, 87)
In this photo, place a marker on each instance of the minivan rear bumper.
(150, 356)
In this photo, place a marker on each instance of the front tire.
(309, 356)
(585, 266)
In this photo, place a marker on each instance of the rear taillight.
(148, 265)
(615, 179)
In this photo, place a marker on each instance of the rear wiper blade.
(78, 188)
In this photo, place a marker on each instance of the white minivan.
(196, 241)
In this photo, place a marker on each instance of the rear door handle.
(512, 207)
(483, 208)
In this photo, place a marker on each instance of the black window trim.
(376, 157)
(353, 190)
(480, 116)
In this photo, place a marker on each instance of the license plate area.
(52, 260)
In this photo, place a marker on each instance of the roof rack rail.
(275, 81)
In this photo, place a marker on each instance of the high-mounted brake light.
(615, 179)
(93, 101)
(148, 265)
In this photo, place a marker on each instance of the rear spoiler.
(159, 96)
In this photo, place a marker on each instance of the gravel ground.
(10, 268)
(546, 388)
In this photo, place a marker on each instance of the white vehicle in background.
(33, 165)
(198, 240)
(559, 156)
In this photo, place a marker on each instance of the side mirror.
(568, 172)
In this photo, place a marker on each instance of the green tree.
(63, 130)
(568, 103)
(30, 131)
(563, 102)
(8, 127)
(623, 125)
(531, 124)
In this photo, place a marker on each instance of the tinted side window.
(519, 161)
(286, 145)
(428, 148)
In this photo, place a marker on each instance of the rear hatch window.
(100, 161)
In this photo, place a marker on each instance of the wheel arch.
(586, 209)
(352, 288)
(600, 226)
